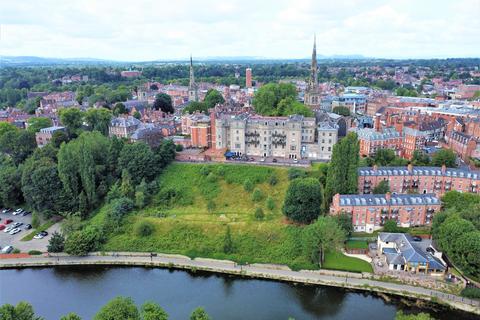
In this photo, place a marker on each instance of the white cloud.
(145, 30)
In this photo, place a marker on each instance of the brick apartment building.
(44, 136)
(369, 212)
(371, 140)
(422, 180)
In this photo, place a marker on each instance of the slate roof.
(381, 199)
(408, 251)
(419, 171)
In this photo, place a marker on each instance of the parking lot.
(7, 239)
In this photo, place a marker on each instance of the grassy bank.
(339, 261)
(195, 206)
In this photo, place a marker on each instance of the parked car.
(2, 226)
(15, 231)
(262, 160)
(26, 213)
(295, 160)
(9, 228)
(17, 224)
(430, 250)
(7, 249)
(416, 238)
(41, 235)
(18, 211)
(274, 160)
(28, 227)
(8, 221)
(6, 210)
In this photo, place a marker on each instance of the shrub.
(471, 292)
(391, 226)
(257, 195)
(80, 243)
(259, 215)
(205, 170)
(294, 173)
(16, 251)
(303, 200)
(221, 171)
(144, 229)
(56, 243)
(273, 180)
(229, 180)
(34, 252)
(248, 185)
(211, 205)
(212, 177)
(35, 220)
(270, 203)
(178, 148)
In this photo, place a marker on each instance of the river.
(56, 291)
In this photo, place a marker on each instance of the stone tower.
(192, 87)
(312, 94)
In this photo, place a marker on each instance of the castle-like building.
(313, 94)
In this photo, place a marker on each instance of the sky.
(141, 30)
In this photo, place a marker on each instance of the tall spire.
(314, 69)
(192, 87)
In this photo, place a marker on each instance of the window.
(237, 145)
(292, 148)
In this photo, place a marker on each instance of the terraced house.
(423, 180)
(370, 211)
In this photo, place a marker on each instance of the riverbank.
(364, 282)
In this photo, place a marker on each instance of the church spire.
(192, 87)
(314, 69)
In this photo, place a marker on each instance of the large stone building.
(370, 211)
(123, 127)
(419, 179)
(313, 94)
(44, 136)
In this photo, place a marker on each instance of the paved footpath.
(338, 279)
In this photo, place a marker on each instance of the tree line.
(119, 308)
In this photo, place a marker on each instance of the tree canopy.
(303, 200)
(279, 99)
(163, 102)
(444, 157)
(37, 123)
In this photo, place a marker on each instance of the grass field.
(339, 261)
(356, 244)
(195, 205)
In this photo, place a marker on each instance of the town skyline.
(377, 29)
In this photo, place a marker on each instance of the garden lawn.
(339, 261)
(356, 244)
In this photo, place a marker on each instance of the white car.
(15, 231)
(9, 228)
(7, 249)
(18, 211)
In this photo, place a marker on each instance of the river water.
(54, 292)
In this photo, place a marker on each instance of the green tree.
(248, 185)
(257, 195)
(212, 98)
(343, 111)
(303, 200)
(72, 119)
(420, 158)
(267, 98)
(126, 187)
(228, 246)
(259, 215)
(58, 137)
(56, 242)
(163, 102)
(445, 157)
(384, 157)
(344, 220)
(10, 184)
(139, 161)
(321, 236)
(37, 123)
(391, 226)
(199, 314)
(119, 308)
(6, 127)
(79, 243)
(381, 188)
(119, 109)
(98, 119)
(195, 106)
(152, 311)
(270, 203)
(137, 115)
(71, 316)
(141, 195)
(342, 176)
(18, 144)
(22, 311)
(144, 229)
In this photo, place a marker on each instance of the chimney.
(375, 167)
(388, 196)
(410, 168)
(444, 168)
(376, 122)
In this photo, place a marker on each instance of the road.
(340, 279)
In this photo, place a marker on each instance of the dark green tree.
(195, 106)
(212, 98)
(343, 111)
(72, 119)
(22, 311)
(10, 184)
(199, 314)
(139, 161)
(118, 308)
(152, 311)
(445, 157)
(391, 226)
(344, 220)
(98, 119)
(37, 123)
(18, 144)
(228, 246)
(163, 102)
(56, 242)
(119, 109)
(381, 188)
(71, 316)
(420, 158)
(58, 137)
(303, 200)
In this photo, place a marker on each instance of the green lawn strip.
(339, 261)
(356, 244)
(43, 227)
